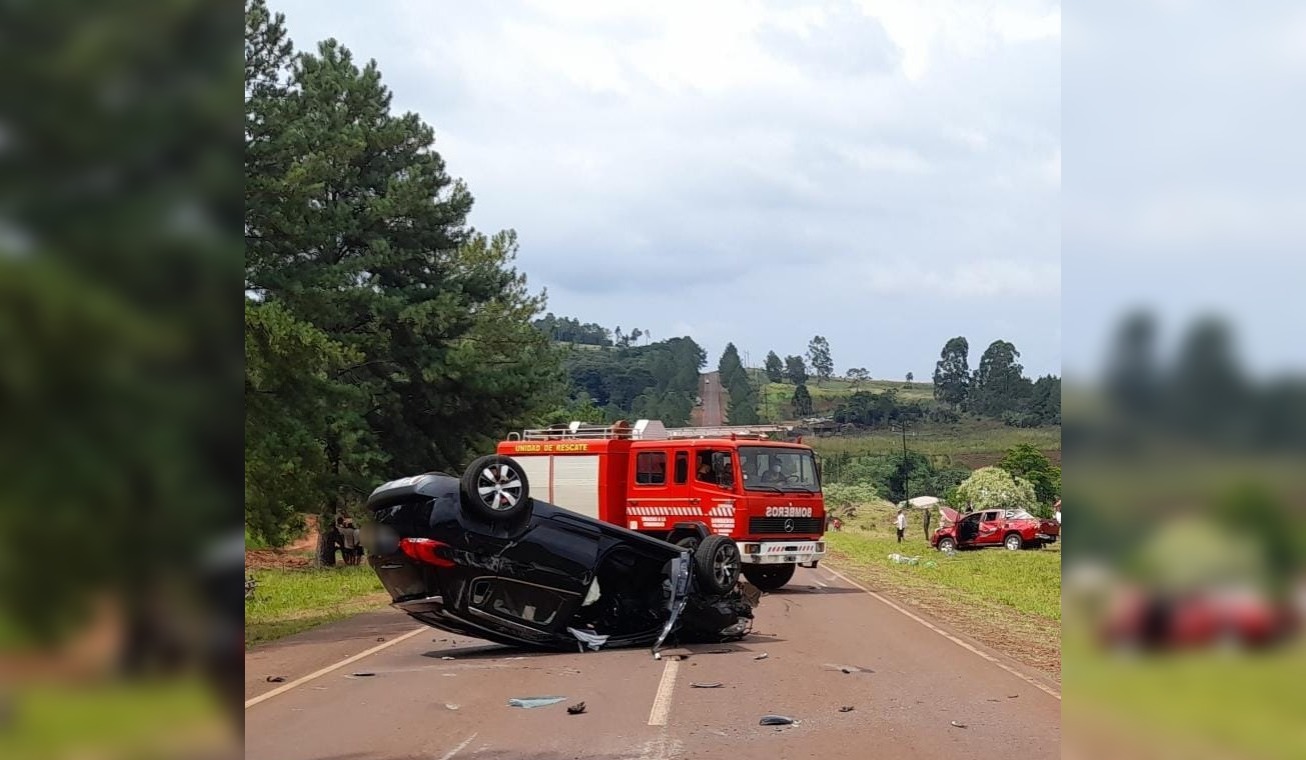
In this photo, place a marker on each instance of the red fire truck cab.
(682, 484)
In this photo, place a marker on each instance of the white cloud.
(748, 151)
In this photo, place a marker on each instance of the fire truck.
(684, 484)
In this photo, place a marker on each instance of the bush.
(995, 488)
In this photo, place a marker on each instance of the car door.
(990, 528)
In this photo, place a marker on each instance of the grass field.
(1190, 696)
(965, 443)
(1008, 600)
(115, 720)
(292, 600)
(776, 396)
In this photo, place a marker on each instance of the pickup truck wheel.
(947, 545)
(495, 488)
(769, 577)
(1012, 542)
(716, 563)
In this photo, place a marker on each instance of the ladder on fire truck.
(644, 430)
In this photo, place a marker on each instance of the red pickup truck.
(1013, 529)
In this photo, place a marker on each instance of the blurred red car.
(1239, 617)
(1013, 529)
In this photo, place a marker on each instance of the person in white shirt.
(902, 524)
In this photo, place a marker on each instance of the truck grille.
(759, 525)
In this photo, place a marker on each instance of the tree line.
(997, 388)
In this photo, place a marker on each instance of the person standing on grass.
(927, 523)
(350, 540)
(902, 524)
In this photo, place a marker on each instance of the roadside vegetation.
(289, 600)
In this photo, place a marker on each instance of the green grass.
(1026, 582)
(113, 720)
(289, 601)
(776, 396)
(965, 438)
(1238, 704)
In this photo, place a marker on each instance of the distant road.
(709, 389)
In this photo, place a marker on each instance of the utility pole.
(906, 469)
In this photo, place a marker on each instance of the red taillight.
(428, 550)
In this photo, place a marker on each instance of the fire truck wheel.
(769, 577)
(716, 562)
(495, 488)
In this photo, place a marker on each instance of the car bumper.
(781, 552)
(1048, 537)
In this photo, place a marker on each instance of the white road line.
(820, 583)
(950, 637)
(662, 702)
(319, 673)
(458, 749)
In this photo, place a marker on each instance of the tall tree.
(802, 401)
(952, 373)
(1206, 392)
(775, 368)
(730, 369)
(858, 375)
(818, 353)
(910, 377)
(741, 409)
(998, 385)
(354, 227)
(1133, 375)
(795, 370)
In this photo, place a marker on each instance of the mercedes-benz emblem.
(789, 526)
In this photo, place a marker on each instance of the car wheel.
(495, 488)
(716, 563)
(947, 545)
(1013, 542)
(769, 577)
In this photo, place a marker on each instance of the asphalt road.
(710, 390)
(908, 681)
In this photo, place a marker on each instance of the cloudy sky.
(885, 174)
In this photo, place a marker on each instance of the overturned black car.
(478, 556)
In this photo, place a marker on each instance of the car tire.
(717, 564)
(495, 488)
(1013, 542)
(947, 545)
(769, 577)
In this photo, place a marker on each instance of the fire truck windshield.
(770, 468)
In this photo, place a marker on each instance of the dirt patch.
(299, 553)
(1031, 640)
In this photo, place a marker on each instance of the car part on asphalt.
(958, 725)
(576, 709)
(761, 656)
(775, 720)
(712, 685)
(533, 702)
(846, 708)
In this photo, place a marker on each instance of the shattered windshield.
(770, 468)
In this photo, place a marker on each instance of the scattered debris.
(446, 657)
(958, 725)
(576, 709)
(363, 674)
(380, 638)
(1012, 696)
(846, 708)
(720, 651)
(276, 679)
(775, 720)
(712, 685)
(531, 702)
(588, 638)
(450, 706)
(761, 656)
